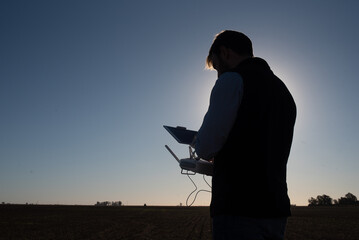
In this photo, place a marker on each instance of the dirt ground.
(90, 222)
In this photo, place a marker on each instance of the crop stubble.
(90, 222)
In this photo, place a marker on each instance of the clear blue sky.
(85, 87)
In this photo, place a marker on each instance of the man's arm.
(225, 99)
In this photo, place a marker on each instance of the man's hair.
(236, 41)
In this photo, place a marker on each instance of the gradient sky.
(85, 87)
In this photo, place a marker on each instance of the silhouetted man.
(248, 133)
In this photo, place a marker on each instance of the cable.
(191, 192)
(195, 197)
(206, 181)
(192, 154)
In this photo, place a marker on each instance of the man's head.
(228, 49)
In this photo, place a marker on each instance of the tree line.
(108, 203)
(324, 200)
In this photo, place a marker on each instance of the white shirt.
(226, 97)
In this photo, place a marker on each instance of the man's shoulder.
(230, 75)
(229, 79)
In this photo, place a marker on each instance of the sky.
(86, 87)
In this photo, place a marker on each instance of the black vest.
(250, 170)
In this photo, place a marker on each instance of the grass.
(90, 222)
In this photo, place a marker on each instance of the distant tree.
(321, 200)
(116, 204)
(312, 202)
(324, 200)
(349, 199)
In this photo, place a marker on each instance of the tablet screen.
(181, 134)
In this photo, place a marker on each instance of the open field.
(90, 222)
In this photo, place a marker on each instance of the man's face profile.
(218, 64)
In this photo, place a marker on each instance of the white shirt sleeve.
(225, 99)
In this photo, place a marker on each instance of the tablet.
(181, 134)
